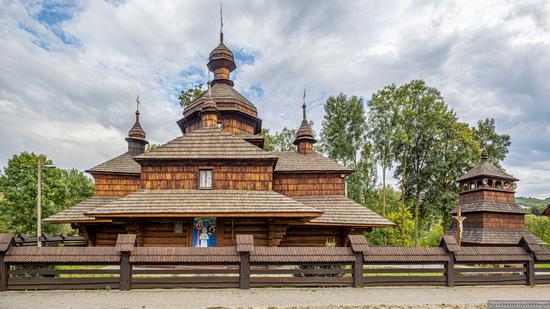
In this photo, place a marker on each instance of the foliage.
(344, 127)
(186, 97)
(280, 141)
(60, 189)
(538, 225)
(393, 236)
(343, 138)
(497, 144)
(536, 206)
(151, 147)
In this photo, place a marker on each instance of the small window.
(205, 179)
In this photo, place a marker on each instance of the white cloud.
(75, 101)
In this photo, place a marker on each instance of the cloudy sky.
(70, 71)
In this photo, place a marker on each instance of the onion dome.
(136, 136)
(221, 62)
(137, 131)
(304, 137)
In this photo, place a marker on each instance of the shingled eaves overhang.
(208, 143)
(75, 213)
(123, 164)
(196, 202)
(339, 210)
(295, 162)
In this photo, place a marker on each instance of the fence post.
(125, 245)
(359, 247)
(358, 270)
(450, 270)
(245, 245)
(244, 271)
(6, 241)
(531, 246)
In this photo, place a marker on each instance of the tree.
(186, 97)
(362, 182)
(344, 127)
(381, 131)
(151, 147)
(60, 189)
(280, 141)
(343, 138)
(423, 123)
(497, 144)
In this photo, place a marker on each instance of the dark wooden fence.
(243, 266)
(51, 240)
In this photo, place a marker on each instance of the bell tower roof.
(486, 169)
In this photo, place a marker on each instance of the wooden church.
(491, 215)
(215, 181)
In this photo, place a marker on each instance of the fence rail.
(243, 266)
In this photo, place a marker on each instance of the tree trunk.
(403, 177)
(384, 199)
(416, 218)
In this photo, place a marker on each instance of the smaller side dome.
(136, 136)
(305, 138)
(137, 130)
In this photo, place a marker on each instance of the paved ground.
(467, 297)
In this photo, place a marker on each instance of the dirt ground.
(379, 297)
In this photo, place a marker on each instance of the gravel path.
(466, 297)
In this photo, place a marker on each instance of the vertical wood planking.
(3, 273)
(358, 270)
(125, 271)
(244, 271)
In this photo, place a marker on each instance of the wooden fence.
(51, 240)
(244, 265)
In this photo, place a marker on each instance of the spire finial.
(304, 105)
(484, 153)
(138, 103)
(221, 22)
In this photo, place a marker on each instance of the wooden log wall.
(228, 176)
(313, 236)
(256, 227)
(494, 220)
(105, 235)
(501, 196)
(115, 185)
(308, 184)
(162, 233)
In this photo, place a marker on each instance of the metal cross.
(137, 103)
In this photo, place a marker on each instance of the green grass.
(77, 267)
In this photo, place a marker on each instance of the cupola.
(136, 136)
(304, 137)
(209, 111)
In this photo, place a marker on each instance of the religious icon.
(204, 232)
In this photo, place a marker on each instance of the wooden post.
(4, 268)
(125, 271)
(244, 271)
(358, 270)
(530, 270)
(450, 270)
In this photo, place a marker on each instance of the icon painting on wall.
(204, 232)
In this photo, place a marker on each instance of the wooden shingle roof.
(62, 255)
(486, 169)
(405, 254)
(302, 254)
(207, 143)
(489, 206)
(192, 202)
(76, 212)
(221, 93)
(184, 255)
(123, 164)
(338, 210)
(491, 254)
(291, 161)
(489, 236)
(546, 212)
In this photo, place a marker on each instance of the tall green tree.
(343, 138)
(344, 127)
(497, 144)
(60, 189)
(381, 130)
(186, 97)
